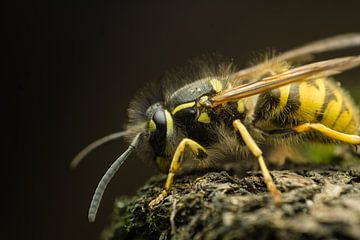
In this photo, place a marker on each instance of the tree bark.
(317, 204)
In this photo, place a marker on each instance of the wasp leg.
(347, 138)
(196, 148)
(256, 151)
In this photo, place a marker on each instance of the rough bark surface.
(317, 204)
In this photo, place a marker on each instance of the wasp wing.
(302, 73)
(324, 45)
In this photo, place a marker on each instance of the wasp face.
(161, 130)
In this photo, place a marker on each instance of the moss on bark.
(317, 204)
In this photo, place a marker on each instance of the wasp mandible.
(277, 101)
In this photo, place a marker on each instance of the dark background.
(72, 68)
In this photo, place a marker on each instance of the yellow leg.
(256, 151)
(196, 148)
(347, 138)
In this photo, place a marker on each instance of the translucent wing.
(325, 45)
(303, 73)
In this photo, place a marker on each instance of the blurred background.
(72, 68)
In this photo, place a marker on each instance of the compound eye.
(159, 117)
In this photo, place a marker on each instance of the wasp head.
(160, 128)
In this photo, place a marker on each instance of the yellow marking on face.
(343, 120)
(204, 118)
(216, 84)
(240, 106)
(311, 99)
(152, 125)
(182, 106)
(169, 125)
(332, 110)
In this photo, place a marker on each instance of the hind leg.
(326, 131)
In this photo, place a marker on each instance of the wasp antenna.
(92, 146)
(95, 202)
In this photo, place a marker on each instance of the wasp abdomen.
(315, 101)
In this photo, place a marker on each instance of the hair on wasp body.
(220, 110)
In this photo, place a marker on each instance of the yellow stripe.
(284, 95)
(240, 106)
(169, 125)
(311, 99)
(332, 110)
(351, 128)
(182, 106)
(343, 120)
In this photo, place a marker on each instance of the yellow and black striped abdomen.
(315, 101)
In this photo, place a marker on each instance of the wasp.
(280, 101)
